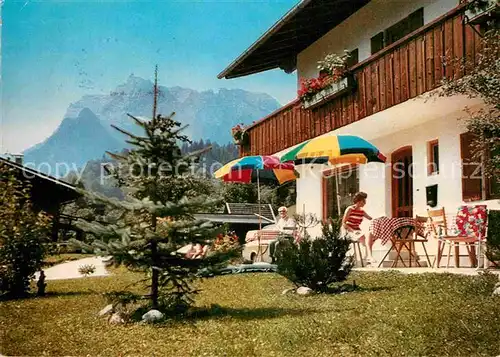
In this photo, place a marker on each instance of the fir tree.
(315, 263)
(147, 229)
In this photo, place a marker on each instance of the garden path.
(69, 270)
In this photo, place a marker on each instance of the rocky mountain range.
(85, 132)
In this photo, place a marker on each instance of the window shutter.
(471, 173)
(416, 20)
(377, 42)
(404, 27)
(354, 58)
(493, 183)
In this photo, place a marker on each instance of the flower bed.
(226, 242)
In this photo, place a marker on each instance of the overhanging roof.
(279, 46)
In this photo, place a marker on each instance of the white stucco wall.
(310, 193)
(357, 30)
(413, 123)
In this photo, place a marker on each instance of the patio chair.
(469, 229)
(357, 253)
(406, 237)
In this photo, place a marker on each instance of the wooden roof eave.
(298, 29)
(274, 29)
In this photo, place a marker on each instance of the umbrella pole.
(337, 195)
(259, 250)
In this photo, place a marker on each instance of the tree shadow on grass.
(48, 294)
(67, 293)
(215, 312)
(351, 288)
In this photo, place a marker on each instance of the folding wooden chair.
(420, 235)
(406, 237)
(439, 229)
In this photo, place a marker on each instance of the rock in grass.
(108, 309)
(496, 290)
(304, 290)
(287, 291)
(116, 319)
(152, 316)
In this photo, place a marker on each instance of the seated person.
(351, 221)
(196, 251)
(284, 224)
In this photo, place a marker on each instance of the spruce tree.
(315, 263)
(146, 230)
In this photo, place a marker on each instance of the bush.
(22, 234)
(86, 269)
(315, 263)
(493, 239)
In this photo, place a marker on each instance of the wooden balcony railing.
(408, 68)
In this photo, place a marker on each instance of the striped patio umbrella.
(336, 149)
(256, 169)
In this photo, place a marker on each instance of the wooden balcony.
(406, 69)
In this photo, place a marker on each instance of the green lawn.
(391, 314)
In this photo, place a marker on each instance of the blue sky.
(53, 52)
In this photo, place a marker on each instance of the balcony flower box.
(334, 79)
(239, 134)
(333, 90)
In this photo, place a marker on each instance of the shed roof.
(266, 210)
(279, 46)
(47, 192)
(230, 218)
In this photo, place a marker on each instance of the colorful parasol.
(256, 169)
(336, 149)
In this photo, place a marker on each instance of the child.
(353, 217)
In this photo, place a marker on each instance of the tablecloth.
(383, 228)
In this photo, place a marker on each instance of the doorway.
(402, 182)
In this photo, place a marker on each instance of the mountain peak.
(87, 114)
(135, 84)
(85, 132)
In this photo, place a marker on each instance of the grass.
(391, 314)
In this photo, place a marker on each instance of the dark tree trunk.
(155, 272)
(154, 276)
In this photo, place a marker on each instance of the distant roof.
(251, 209)
(47, 191)
(230, 218)
(279, 46)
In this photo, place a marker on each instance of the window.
(398, 31)
(433, 157)
(472, 176)
(348, 185)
